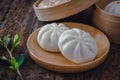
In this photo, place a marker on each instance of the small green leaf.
(16, 40)
(11, 67)
(14, 63)
(6, 40)
(4, 58)
(5, 37)
(1, 42)
(20, 59)
(4, 61)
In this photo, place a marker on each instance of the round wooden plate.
(56, 62)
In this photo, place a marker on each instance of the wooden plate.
(56, 62)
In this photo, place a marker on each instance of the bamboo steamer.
(107, 22)
(61, 11)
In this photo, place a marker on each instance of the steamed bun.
(113, 8)
(77, 46)
(48, 36)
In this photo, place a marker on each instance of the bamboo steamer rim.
(107, 15)
(50, 8)
(61, 11)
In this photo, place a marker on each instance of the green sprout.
(15, 62)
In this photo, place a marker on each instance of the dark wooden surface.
(17, 16)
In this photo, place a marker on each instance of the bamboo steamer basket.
(108, 23)
(61, 11)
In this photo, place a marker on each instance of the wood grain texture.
(17, 16)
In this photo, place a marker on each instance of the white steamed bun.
(113, 8)
(77, 46)
(48, 36)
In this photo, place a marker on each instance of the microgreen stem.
(9, 52)
(18, 72)
(12, 49)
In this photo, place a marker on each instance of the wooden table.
(17, 16)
